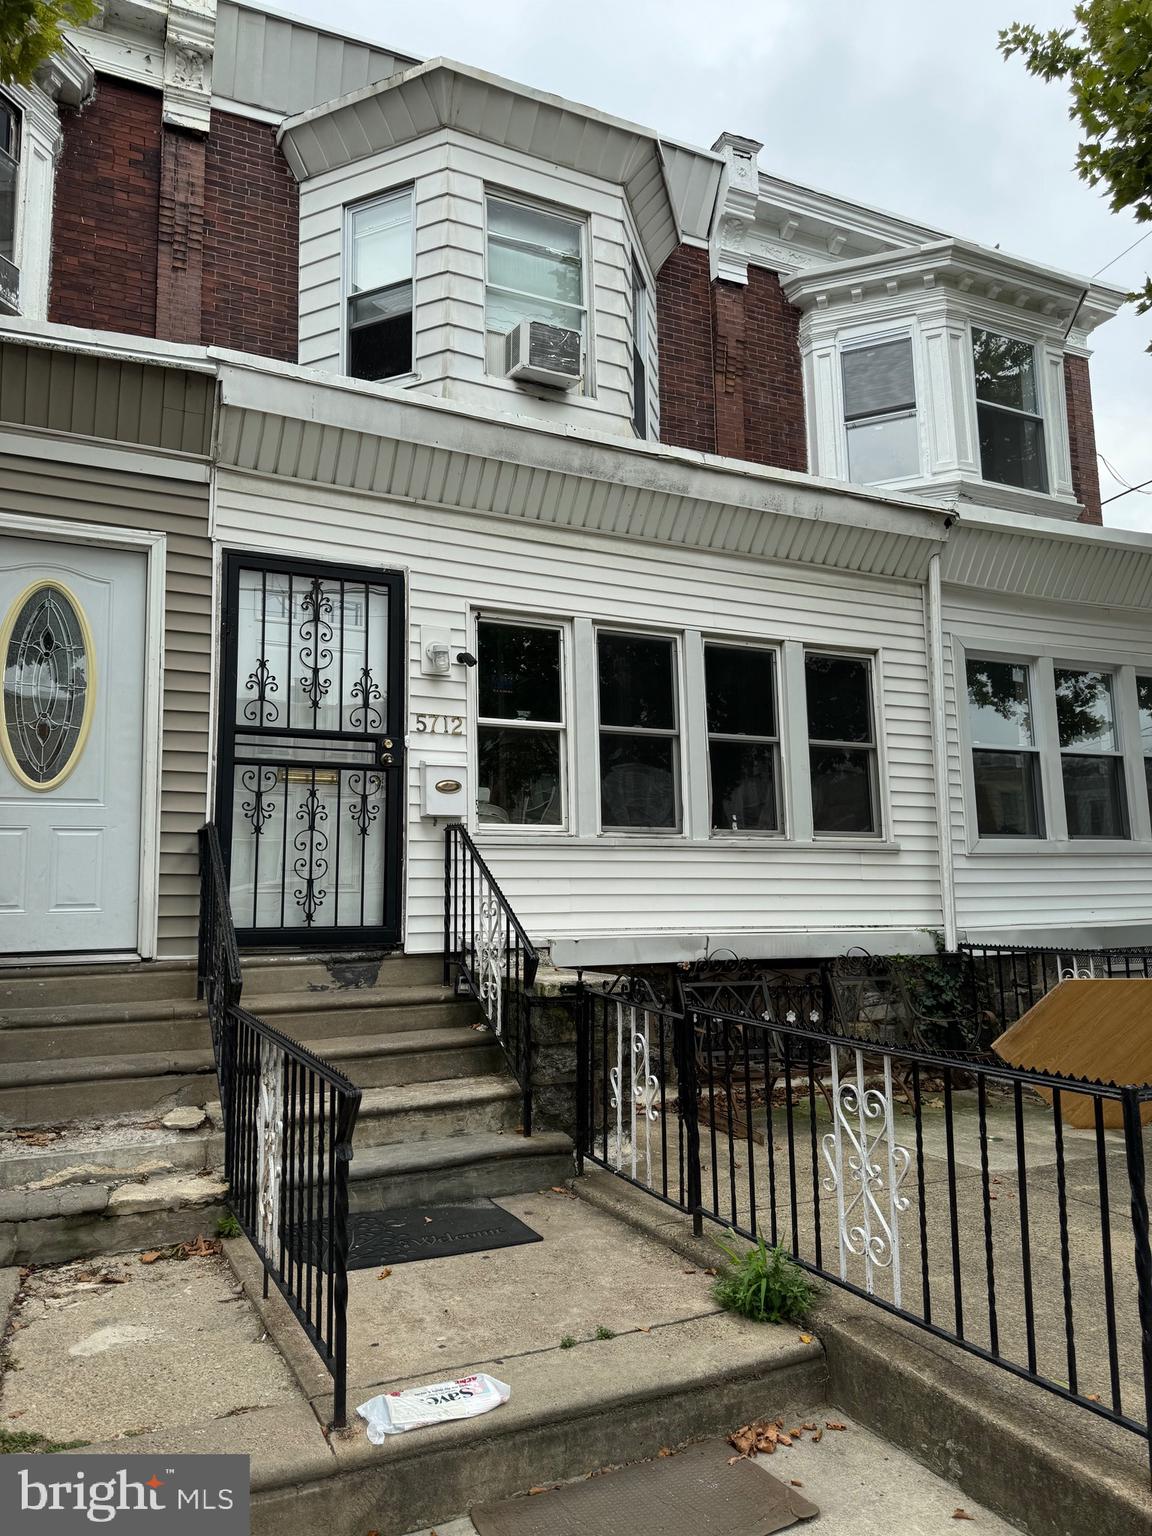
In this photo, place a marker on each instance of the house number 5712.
(440, 725)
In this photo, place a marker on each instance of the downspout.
(935, 625)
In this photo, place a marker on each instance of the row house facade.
(384, 443)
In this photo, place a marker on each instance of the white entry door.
(72, 628)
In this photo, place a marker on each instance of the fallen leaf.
(808, 1424)
(732, 1460)
(796, 1483)
(203, 1247)
(782, 1439)
(151, 1256)
(383, 1275)
(664, 1451)
(688, 1271)
(805, 1338)
(427, 1221)
(817, 1436)
(961, 1514)
(1092, 1397)
(539, 1489)
(108, 1278)
(19, 1414)
(643, 1330)
(833, 1424)
(711, 1271)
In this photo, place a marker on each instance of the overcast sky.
(902, 104)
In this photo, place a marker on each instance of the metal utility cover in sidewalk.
(696, 1491)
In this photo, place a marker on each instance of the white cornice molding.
(188, 46)
(737, 208)
(67, 77)
(165, 44)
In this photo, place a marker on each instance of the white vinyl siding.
(451, 176)
(1038, 884)
(569, 883)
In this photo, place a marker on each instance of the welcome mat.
(418, 1232)
(695, 1491)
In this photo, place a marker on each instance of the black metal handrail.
(1004, 980)
(289, 1118)
(952, 1191)
(487, 947)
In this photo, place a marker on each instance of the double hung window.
(639, 731)
(535, 267)
(520, 726)
(841, 744)
(1090, 759)
(743, 738)
(1144, 694)
(639, 351)
(1005, 756)
(9, 190)
(380, 287)
(1008, 415)
(880, 411)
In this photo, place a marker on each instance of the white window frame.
(574, 216)
(562, 627)
(972, 746)
(1142, 674)
(856, 343)
(677, 734)
(1117, 754)
(346, 295)
(1043, 415)
(880, 805)
(641, 350)
(773, 649)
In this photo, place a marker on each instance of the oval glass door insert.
(48, 685)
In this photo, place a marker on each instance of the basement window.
(743, 738)
(842, 745)
(380, 287)
(1005, 757)
(520, 724)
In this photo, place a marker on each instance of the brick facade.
(1082, 438)
(106, 221)
(730, 372)
(180, 254)
(251, 280)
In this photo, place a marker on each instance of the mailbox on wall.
(444, 789)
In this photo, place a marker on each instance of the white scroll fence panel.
(634, 1105)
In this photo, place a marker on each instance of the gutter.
(934, 624)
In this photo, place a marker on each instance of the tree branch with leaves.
(1106, 58)
(31, 31)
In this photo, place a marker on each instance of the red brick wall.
(1082, 438)
(180, 257)
(105, 226)
(684, 337)
(730, 375)
(251, 241)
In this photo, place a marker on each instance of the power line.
(1123, 253)
(1128, 492)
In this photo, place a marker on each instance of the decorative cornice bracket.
(728, 247)
(188, 47)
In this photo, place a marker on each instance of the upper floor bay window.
(535, 267)
(380, 287)
(1091, 763)
(1144, 694)
(842, 745)
(1005, 756)
(743, 738)
(1009, 420)
(639, 731)
(880, 411)
(520, 724)
(639, 351)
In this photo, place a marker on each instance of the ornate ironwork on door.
(310, 793)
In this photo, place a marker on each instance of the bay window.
(638, 731)
(842, 744)
(1091, 764)
(743, 738)
(1005, 755)
(880, 411)
(380, 287)
(1144, 694)
(535, 267)
(9, 200)
(520, 724)
(639, 351)
(1009, 422)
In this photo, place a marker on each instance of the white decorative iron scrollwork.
(866, 1168)
(491, 951)
(269, 1144)
(643, 1093)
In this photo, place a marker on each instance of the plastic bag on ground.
(393, 1413)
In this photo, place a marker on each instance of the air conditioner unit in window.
(539, 353)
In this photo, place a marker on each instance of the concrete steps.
(92, 1061)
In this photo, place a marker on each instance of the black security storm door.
(310, 786)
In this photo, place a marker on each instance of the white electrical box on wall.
(444, 789)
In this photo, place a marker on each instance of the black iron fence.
(1000, 1209)
(1002, 981)
(488, 954)
(288, 1124)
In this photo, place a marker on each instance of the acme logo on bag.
(60, 1495)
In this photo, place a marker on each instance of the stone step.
(57, 986)
(442, 1170)
(416, 1056)
(436, 1109)
(110, 1028)
(337, 972)
(50, 1226)
(126, 1147)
